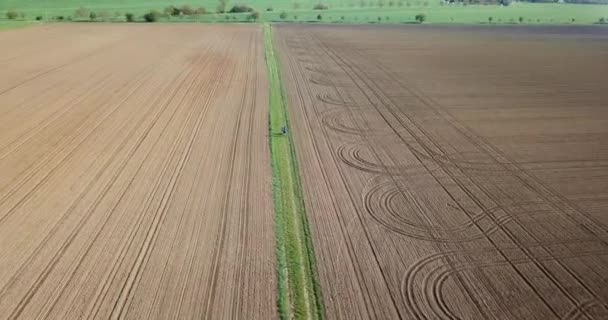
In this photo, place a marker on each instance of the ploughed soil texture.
(134, 173)
(453, 172)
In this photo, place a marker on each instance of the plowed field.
(453, 173)
(134, 173)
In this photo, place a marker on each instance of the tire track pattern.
(411, 178)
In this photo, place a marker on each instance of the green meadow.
(339, 11)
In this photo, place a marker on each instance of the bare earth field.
(134, 173)
(453, 173)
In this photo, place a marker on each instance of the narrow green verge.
(7, 25)
(299, 295)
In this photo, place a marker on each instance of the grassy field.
(298, 291)
(340, 11)
(6, 25)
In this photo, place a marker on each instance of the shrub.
(187, 10)
(521, 19)
(254, 16)
(283, 15)
(104, 15)
(201, 10)
(602, 20)
(130, 17)
(93, 15)
(270, 9)
(81, 12)
(239, 8)
(172, 11)
(38, 18)
(319, 17)
(152, 16)
(60, 18)
(320, 6)
(12, 14)
(420, 18)
(490, 19)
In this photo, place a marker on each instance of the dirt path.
(453, 173)
(134, 173)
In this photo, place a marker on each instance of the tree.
(172, 11)
(283, 15)
(602, 20)
(240, 8)
(130, 17)
(490, 19)
(187, 10)
(12, 14)
(92, 15)
(319, 17)
(420, 18)
(521, 19)
(81, 12)
(221, 6)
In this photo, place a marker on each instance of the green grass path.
(299, 294)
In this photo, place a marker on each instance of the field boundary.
(299, 294)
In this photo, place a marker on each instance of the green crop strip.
(299, 295)
(7, 25)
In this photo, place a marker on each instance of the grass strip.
(299, 295)
(8, 25)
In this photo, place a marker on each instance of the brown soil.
(134, 173)
(453, 173)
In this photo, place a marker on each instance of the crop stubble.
(453, 173)
(134, 173)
